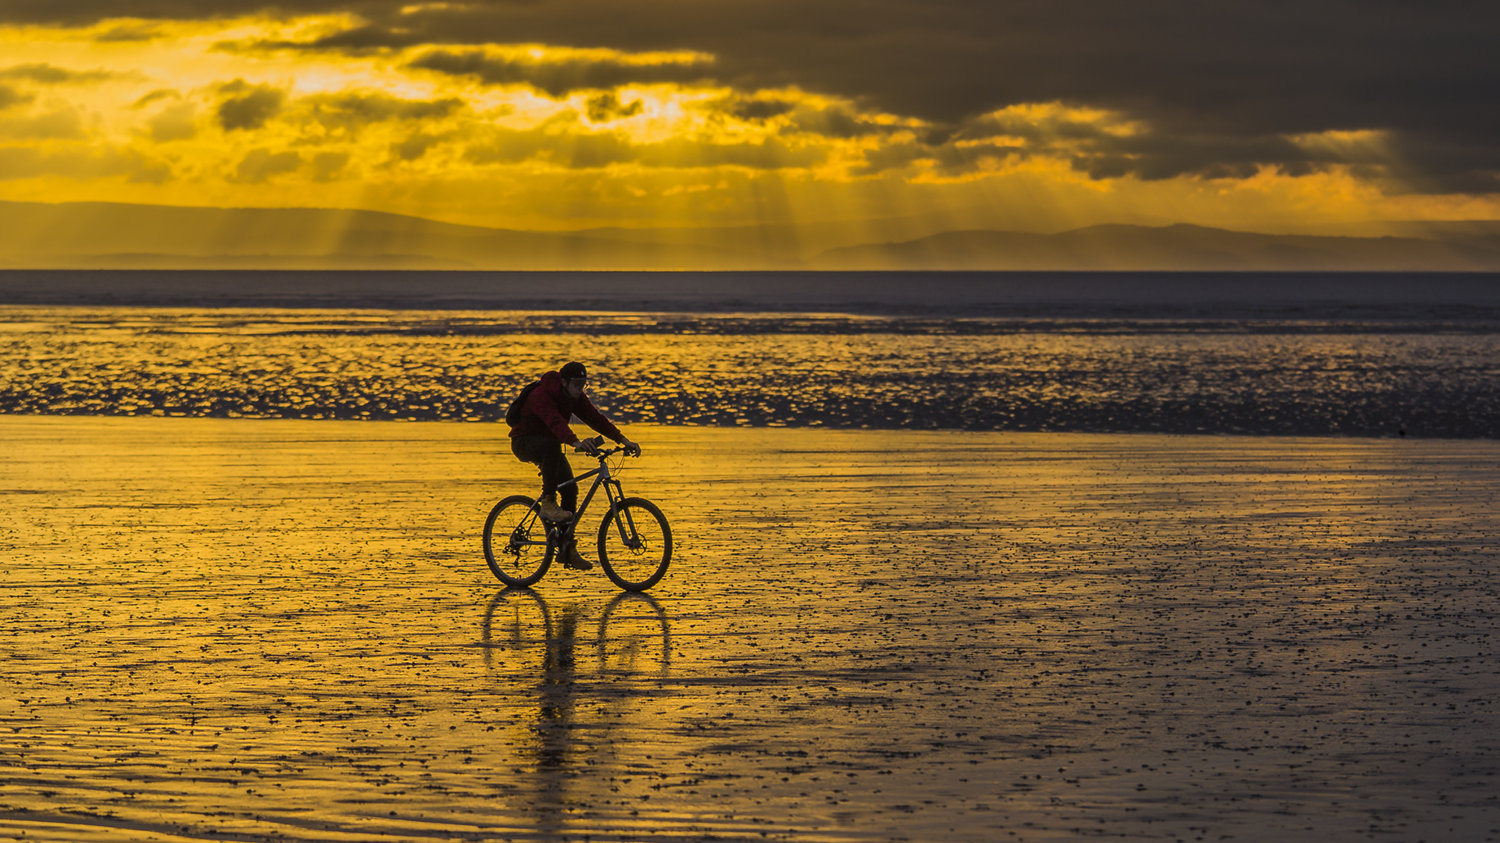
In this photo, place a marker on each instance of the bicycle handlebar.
(600, 453)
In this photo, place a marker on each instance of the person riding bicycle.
(538, 435)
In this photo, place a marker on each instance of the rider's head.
(574, 378)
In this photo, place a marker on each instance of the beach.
(285, 630)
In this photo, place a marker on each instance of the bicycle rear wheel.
(635, 544)
(515, 541)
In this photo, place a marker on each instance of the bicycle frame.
(602, 477)
(613, 491)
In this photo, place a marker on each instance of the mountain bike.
(635, 543)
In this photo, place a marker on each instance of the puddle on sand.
(1259, 376)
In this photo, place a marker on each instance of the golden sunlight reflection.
(762, 369)
(880, 633)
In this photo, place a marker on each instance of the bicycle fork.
(623, 522)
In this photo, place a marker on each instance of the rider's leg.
(573, 559)
(561, 473)
(545, 452)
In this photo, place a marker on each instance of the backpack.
(513, 415)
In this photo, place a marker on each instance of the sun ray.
(249, 112)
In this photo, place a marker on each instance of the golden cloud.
(280, 113)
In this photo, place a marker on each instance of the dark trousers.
(547, 453)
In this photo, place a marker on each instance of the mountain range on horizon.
(119, 236)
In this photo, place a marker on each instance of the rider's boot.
(547, 505)
(571, 558)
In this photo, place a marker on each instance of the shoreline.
(1226, 295)
(791, 428)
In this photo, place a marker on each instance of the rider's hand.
(631, 449)
(588, 446)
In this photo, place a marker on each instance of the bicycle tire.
(635, 568)
(512, 563)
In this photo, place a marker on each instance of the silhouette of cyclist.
(538, 435)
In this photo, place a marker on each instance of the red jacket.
(549, 407)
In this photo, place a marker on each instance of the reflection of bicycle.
(630, 648)
(634, 634)
(635, 543)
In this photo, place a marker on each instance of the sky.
(1033, 115)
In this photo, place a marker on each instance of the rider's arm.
(591, 416)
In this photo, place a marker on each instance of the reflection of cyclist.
(541, 431)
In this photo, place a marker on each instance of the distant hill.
(1173, 247)
(117, 236)
(88, 235)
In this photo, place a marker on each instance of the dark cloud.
(833, 122)
(1102, 154)
(950, 159)
(60, 123)
(349, 111)
(1434, 163)
(1213, 82)
(176, 122)
(11, 97)
(328, 166)
(1221, 78)
(248, 106)
(128, 32)
(893, 156)
(555, 77)
(85, 12)
(1156, 157)
(414, 147)
(46, 74)
(357, 40)
(156, 96)
(747, 108)
(1105, 151)
(549, 143)
(261, 165)
(607, 106)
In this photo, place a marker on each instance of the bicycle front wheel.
(635, 544)
(515, 542)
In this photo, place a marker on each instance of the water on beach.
(274, 621)
(273, 630)
(1374, 376)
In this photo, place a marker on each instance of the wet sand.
(258, 630)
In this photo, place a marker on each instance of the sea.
(1266, 354)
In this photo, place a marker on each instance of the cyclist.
(541, 430)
